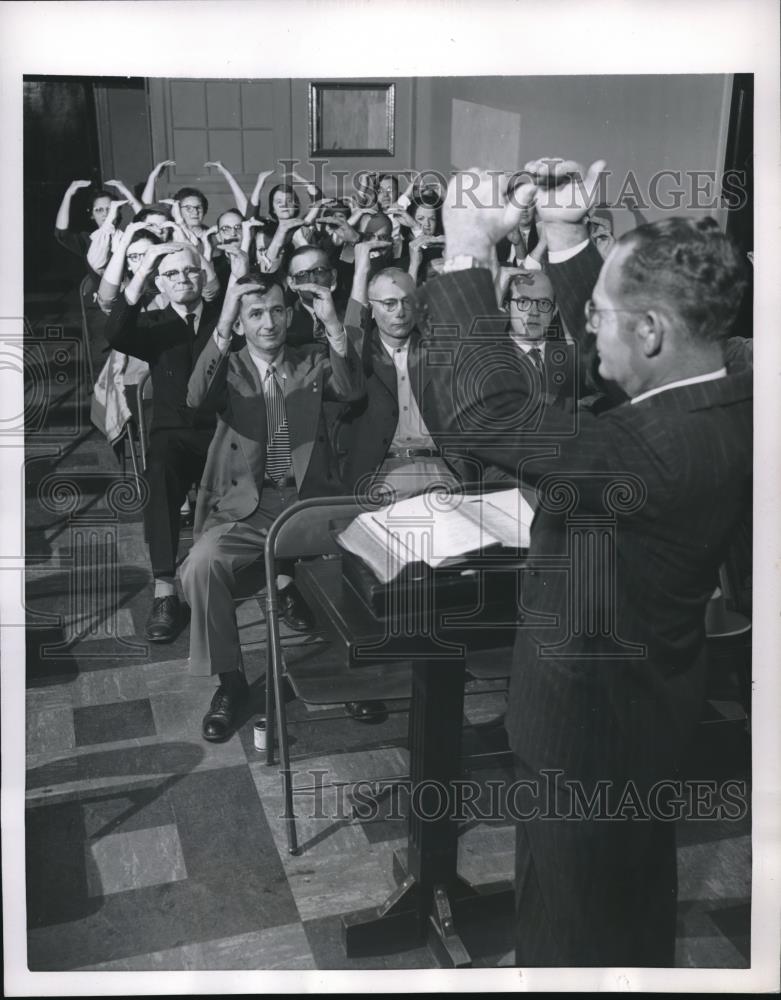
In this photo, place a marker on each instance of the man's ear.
(288, 315)
(651, 330)
(159, 283)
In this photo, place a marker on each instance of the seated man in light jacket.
(269, 450)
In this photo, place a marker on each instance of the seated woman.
(428, 241)
(76, 238)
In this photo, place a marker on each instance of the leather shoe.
(219, 720)
(294, 611)
(367, 711)
(163, 622)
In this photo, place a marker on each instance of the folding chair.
(86, 289)
(302, 531)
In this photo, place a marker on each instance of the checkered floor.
(150, 849)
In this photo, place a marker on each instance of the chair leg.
(275, 663)
(270, 707)
(133, 460)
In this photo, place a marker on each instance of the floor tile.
(118, 862)
(107, 723)
(51, 729)
(114, 684)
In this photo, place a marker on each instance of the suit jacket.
(229, 384)
(162, 339)
(636, 510)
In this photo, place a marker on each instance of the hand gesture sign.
(364, 250)
(239, 260)
(113, 211)
(322, 302)
(337, 225)
(564, 191)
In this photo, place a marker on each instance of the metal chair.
(303, 531)
(86, 289)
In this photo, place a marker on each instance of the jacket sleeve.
(345, 381)
(208, 387)
(130, 332)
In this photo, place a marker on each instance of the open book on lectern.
(437, 532)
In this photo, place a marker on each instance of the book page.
(505, 516)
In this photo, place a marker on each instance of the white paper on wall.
(484, 136)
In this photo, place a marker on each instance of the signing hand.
(322, 304)
(239, 259)
(363, 251)
(337, 225)
(565, 192)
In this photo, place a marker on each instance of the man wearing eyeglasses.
(308, 266)
(170, 341)
(636, 511)
(388, 440)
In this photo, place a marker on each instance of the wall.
(243, 123)
(122, 113)
(639, 123)
(642, 124)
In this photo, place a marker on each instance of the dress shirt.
(182, 310)
(709, 377)
(411, 431)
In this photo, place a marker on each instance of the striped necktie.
(278, 457)
(536, 355)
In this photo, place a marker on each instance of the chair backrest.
(304, 529)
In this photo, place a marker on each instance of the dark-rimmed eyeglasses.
(524, 303)
(315, 276)
(231, 229)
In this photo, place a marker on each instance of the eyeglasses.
(391, 305)
(592, 314)
(189, 273)
(316, 276)
(230, 229)
(134, 258)
(191, 206)
(524, 303)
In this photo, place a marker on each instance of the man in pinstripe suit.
(636, 510)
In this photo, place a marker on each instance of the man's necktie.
(278, 447)
(536, 355)
(190, 321)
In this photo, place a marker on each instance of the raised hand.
(404, 218)
(162, 164)
(113, 210)
(217, 164)
(75, 185)
(239, 259)
(363, 252)
(336, 224)
(564, 190)
(322, 303)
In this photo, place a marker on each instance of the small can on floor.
(259, 732)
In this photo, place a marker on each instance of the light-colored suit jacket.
(229, 383)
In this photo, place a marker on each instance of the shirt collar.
(262, 365)
(528, 345)
(402, 349)
(709, 377)
(182, 310)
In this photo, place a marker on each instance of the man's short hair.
(266, 281)
(189, 192)
(392, 178)
(149, 210)
(308, 248)
(691, 267)
(228, 211)
(527, 279)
